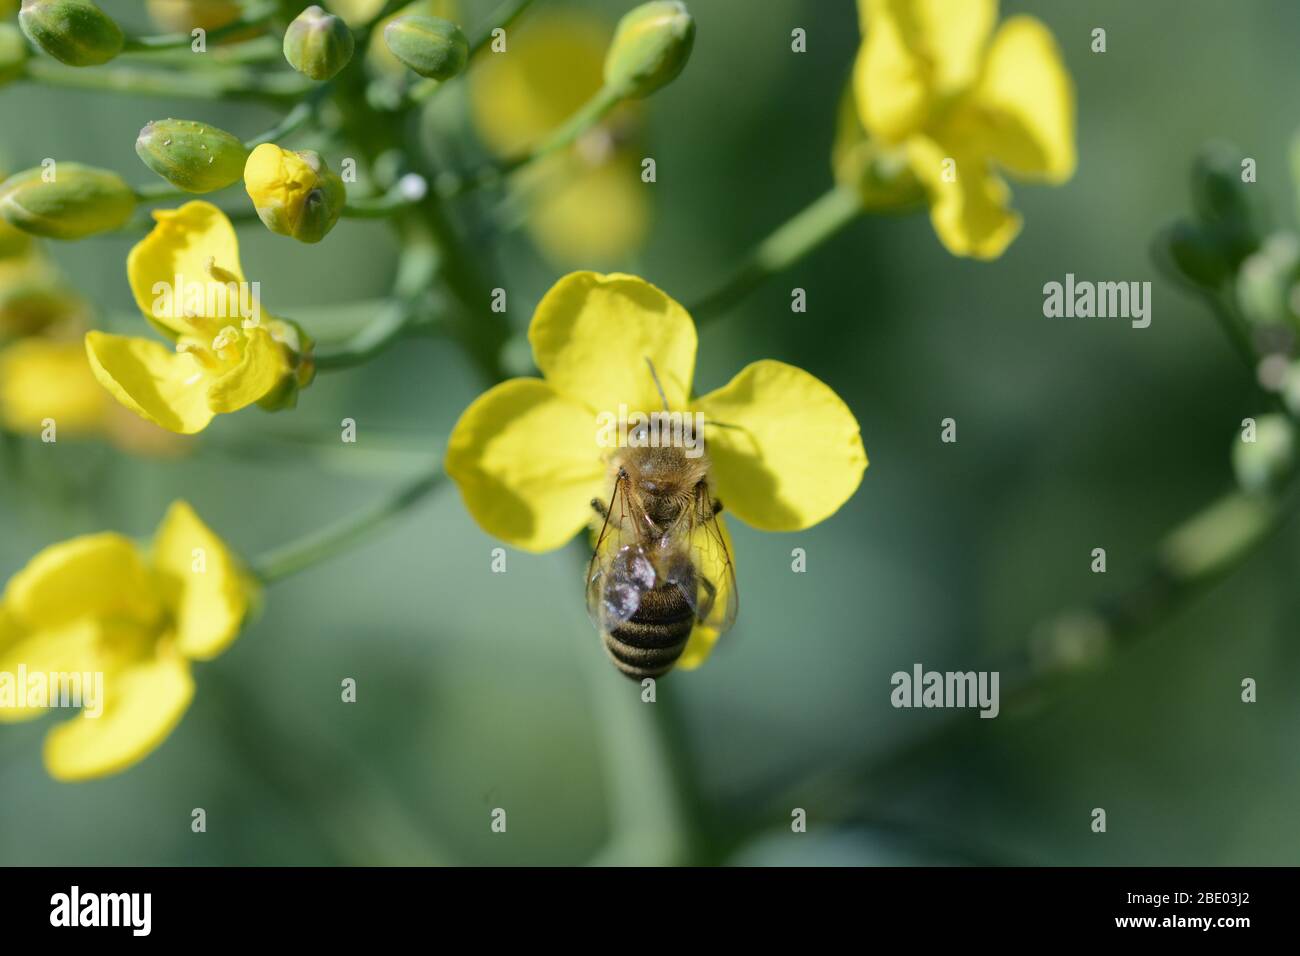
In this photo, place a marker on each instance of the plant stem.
(174, 41)
(336, 538)
(591, 113)
(293, 120)
(407, 192)
(207, 85)
(805, 231)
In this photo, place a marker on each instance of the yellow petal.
(50, 379)
(969, 203)
(68, 649)
(94, 575)
(202, 582)
(184, 243)
(583, 213)
(1028, 98)
(167, 388)
(142, 704)
(591, 336)
(915, 52)
(554, 64)
(260, 369)
(794, 454)
(703, 638)
(527, 463)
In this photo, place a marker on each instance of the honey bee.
(661, 564)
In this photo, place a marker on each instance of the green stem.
(173, 41)
(336, 538)
(805, 231)
(407, 192)
(293, 120)
(591, 113)
(205, 85)
(160, 192)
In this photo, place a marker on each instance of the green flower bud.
(192, 156)
(75, 32)
(1223, 202)
(13, 53)
(67, 201)
(650, 47)
(1193, 255)
(1264, 464)
(318, 44)
(295, 193)
(430, 46)
(1265, 280)
(297, 346)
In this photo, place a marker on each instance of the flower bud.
(650, 47)
(318, 44)
(1193, 253)
(70, 201)
(297, 346)
(13, 53)
(430, 46)
(1263, 464)
(192, 156)
(1223, 202)
(75, 32)
(295, 193)
(1265, 280)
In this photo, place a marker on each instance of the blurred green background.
(479, 690)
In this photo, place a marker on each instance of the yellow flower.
(527, 454)
(102, 605)
(229, 352)
(295, 193)
(587, 203)
(958, 102)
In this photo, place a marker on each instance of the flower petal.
(182, 245)
(527, 463)
(49, 378)
(70, 649)
(261, 368)
(203, 585)
(1028, 98)
(94, 575)
(913, 53)
(591, 336)
(142, 704)
(703, 638)
(163, 386)
(793, 454)
(970, 209)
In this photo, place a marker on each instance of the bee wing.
(620, 571)
(711, 588)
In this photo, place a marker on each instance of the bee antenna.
(658, 386)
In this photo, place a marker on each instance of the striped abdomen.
(649, 642)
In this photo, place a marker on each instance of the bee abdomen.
(650, 641)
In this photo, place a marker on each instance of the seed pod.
(430, 46)
(75, 32)
(295, 193)
(318, 44)
(13, 53)
(192, 156)
(76, 201)
(650, 47)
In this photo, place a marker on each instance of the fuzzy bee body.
(661, 566)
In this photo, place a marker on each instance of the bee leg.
(599, 507)
(710, 596)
